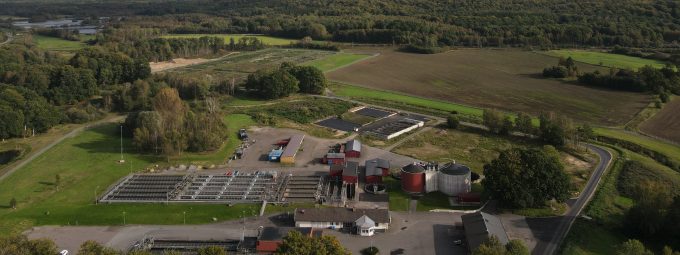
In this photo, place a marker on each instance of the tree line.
(646, 79)
(285, 80)
(493, 23)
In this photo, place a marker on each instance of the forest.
(491, 23)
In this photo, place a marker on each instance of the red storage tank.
(413, 178)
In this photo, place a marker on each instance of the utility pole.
(121, 144)
(185, 217)
(123, 217)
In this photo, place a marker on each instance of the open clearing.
(269, 40)
(606, 59)
(503, 79)
(241, 64)
(87, 166)
(666, 123)
(58, 44)
(175, 63)
(336, 61)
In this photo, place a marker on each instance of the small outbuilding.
(350, 174)
(294, 145)
(275, 155)
(353, 149)
(376, 169)
(334, 158)
(480, 226)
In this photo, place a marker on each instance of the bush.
(452, 122)
(411, 48)
(555, 72)
(370, 251)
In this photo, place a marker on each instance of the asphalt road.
(565, 222)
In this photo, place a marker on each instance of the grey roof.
(480, 226)
(335, 155)
(455, 169)
(353, 145)
(351, 169)
(293, 146)
(339, 214)
(375, 166)
(413, 168)
(365, 222)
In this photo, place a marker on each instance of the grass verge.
(606, 59)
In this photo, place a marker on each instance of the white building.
(364, 222)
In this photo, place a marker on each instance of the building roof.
(455, 169)
(276, 153)
(293, 146)
(336, 167)
(353, 145)
(480, 226)
(413, 168)
(335, 155)
(339, 214)
(351, 169)
(364, 222)
(375, 166)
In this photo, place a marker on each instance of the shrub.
(370, 251)
(555, 72)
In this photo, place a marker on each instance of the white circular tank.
(454, 179)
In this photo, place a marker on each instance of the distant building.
(350, 174)
(480, 226)
(353, 149)
(376, 169)
(364, 222)
(294, 145)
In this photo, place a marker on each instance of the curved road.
(9, 38)
(567, 220)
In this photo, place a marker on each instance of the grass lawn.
(87, 165)
(670, 150)
(554, 209)
(375, 95)
(58, 44)
(265, 39)
(336, 61)
(606, 59)
(587, 238)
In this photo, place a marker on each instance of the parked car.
(458, 242)
(242, 134)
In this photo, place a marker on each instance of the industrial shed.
(334, 158)
(480, 226)
(376, 169)
(342, 218)
(350, 174)
(353, 149)
(295, 143)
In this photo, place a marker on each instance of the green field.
(240, 65)
(667, 149)
(269, 40)
(87, 165)
(58, 44)
(606, 59)
(336, 61)
(374, 95)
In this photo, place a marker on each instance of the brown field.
(666, 123)
(505, 79)
(175, 63)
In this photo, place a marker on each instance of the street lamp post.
(185, 217)
(95, 195)
(123, 218)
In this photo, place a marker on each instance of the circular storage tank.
(454, 179)
(413, 178)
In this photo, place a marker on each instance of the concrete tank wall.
(431, 182)
(453, 185)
